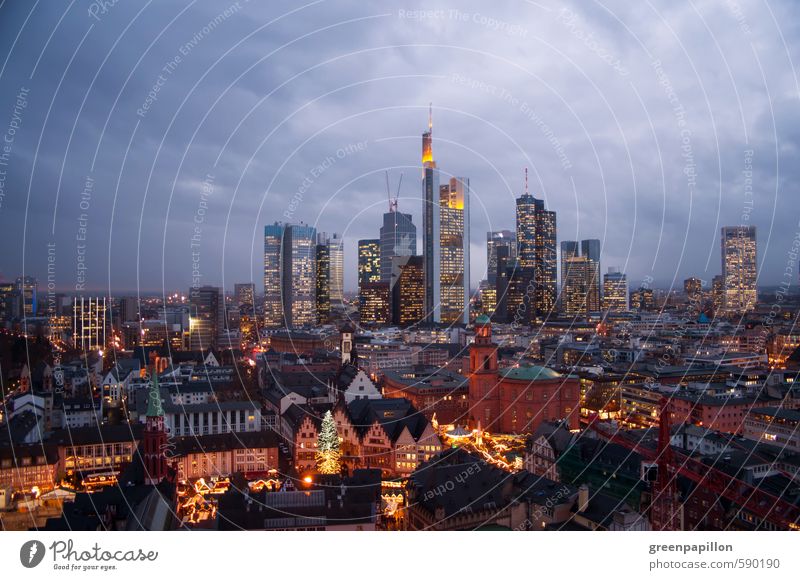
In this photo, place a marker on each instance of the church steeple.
(155, 435)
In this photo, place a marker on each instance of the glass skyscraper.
(739, 269)
(398, 238)
(290, 275)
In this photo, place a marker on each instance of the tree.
(328, 454)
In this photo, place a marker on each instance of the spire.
(430, 118)
(427, 141)
(526, 181)
(154, 408)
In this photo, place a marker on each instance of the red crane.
(672, 462)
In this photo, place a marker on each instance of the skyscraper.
(454, 251)
(615, 291)
(374, 304)
(494, 240)
(407, 290)
(739, 268)
(89, 323)
(445, 237)
(546, 261)
(369, 262)
(398, 238)
(693, 288)
(245, 295)
(580, 275)
(28, 290)
(336, 258)
(430, 226)
(290, 275)
(206, 316)
(590, 250)
(323, 283)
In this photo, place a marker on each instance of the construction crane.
(393, 200)
(671, 462)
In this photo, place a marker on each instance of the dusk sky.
(648, 125)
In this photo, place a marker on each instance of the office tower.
(694, 289)
(407, 290)
(398, 238)
(323, 283)
(522, 281)
(569, 249)
(245, 295)
(290, 275)
(580, 294)
(336, 273)
(430, 225)
(454, 251)
(615, 291)
(7, 291)
(374, 304)
(546, 261)
(89, 323)
(505, 238)
(273, 270)
(591, 249)
(206, 316)
(504, 260)
(717, 293)
(739, 268)
(27, 288)
(369, 262)
(518, 293)
(643, 299)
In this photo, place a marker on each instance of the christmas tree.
(328, 453)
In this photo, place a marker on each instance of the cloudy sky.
(144, 142)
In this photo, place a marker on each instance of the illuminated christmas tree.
(328, 453)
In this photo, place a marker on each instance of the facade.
(89, 323)
(407, 291)
(693, 287)
(206, 316)
(374, 306)
(27, 290)
(643, 299)
(323, 283)
(615, 291)
(335, 247)
(369, 262)
(579, 294)
(739, 269)
(536, 252)
(454, 251)
(290, 275)
(500, 238)
(774, 425)
(398, 238)
(245, 295)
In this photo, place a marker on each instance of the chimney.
(583, 498)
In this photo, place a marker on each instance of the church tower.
(484, 389)
(155, 436)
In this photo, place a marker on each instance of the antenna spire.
(430, 116)
(526, 181)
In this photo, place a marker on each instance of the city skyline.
(493, 123)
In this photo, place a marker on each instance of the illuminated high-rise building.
(369, 262)
(454, 251)
(245, 294)
(27, 288)
(374, 304)
(398, 238)
(505, 238)
(717, 293)
(336, 273)
(445, 238)
(590, 250)
(407, 290)
(577, 291)
(89, 323)
(615, 291)
(643, 299)
(273, 275)
(739, 269)
(694, 289)
(323, 283)
(206, 316)
(290, 275)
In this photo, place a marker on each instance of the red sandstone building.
(519, 399)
